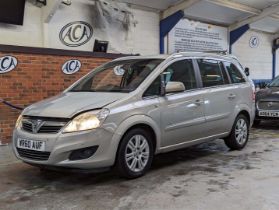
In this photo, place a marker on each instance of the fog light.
(83, 153)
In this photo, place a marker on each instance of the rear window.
(212, 73)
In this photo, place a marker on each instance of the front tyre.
(135, 153)
(239, 135)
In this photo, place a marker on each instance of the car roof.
(163, 56)
(184, 54)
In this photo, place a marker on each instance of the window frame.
(197, 73)
(229, 76)
(225, 69)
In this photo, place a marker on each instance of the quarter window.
(235, 74)
(154, 89)
(212, 73)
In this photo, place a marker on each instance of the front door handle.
(232, 96)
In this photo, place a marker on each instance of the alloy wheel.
(137, 153)
(241, 131)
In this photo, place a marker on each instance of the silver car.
(124, 112)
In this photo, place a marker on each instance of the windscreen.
(118, 76)
(274, 83)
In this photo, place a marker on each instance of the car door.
(182, 114)
(219, 98)
(241, 91)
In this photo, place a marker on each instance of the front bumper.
(61, 145)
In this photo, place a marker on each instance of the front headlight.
(18, 121)
(87, 121)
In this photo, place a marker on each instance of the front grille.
(42, 125)
(27, 126)
(268, 105)
(50, 129)
(33, 155)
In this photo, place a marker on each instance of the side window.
(212, 73)
(180, 71)
(234, 73)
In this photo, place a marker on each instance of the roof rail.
(222, 52)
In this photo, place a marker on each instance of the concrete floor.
(207, 176)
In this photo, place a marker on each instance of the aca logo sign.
(254, 42)
(71, 67)
(7, 63)
(76, 33)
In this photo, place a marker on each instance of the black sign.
(71, 66)
(75, 34)
(7, 63)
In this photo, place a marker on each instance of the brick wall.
(36, 77)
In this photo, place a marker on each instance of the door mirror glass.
(247, 71)
(174, 87)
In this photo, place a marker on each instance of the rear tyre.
(135, 154)
(256, 123)
(239, 135)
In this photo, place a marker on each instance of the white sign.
(119, 71)
(76, 33)
(195, 36)
(71, 67)
(254, 42)
(7, 63)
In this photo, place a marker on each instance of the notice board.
(190, 35)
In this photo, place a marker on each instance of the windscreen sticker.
(119, 71)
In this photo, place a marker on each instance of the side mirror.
(174, 87)
(247, 71)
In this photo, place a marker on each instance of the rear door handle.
(232, 96)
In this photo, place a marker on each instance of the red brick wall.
(36, 77)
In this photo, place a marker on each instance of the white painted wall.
(142, 37)
(259, 59)
(28, 35)
(145, 36)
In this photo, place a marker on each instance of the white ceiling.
(222, 12)
(155, 4)
(209, 12)
(258, 4)
(267, 24)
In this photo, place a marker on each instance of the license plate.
(268, 114)
(31, 145)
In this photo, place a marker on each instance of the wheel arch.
(147, 128)
(141, 121)
(246, 114)
(246, 111)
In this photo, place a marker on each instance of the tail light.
(254, 95)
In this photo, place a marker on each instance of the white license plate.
(268, 114)
(31, 144)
